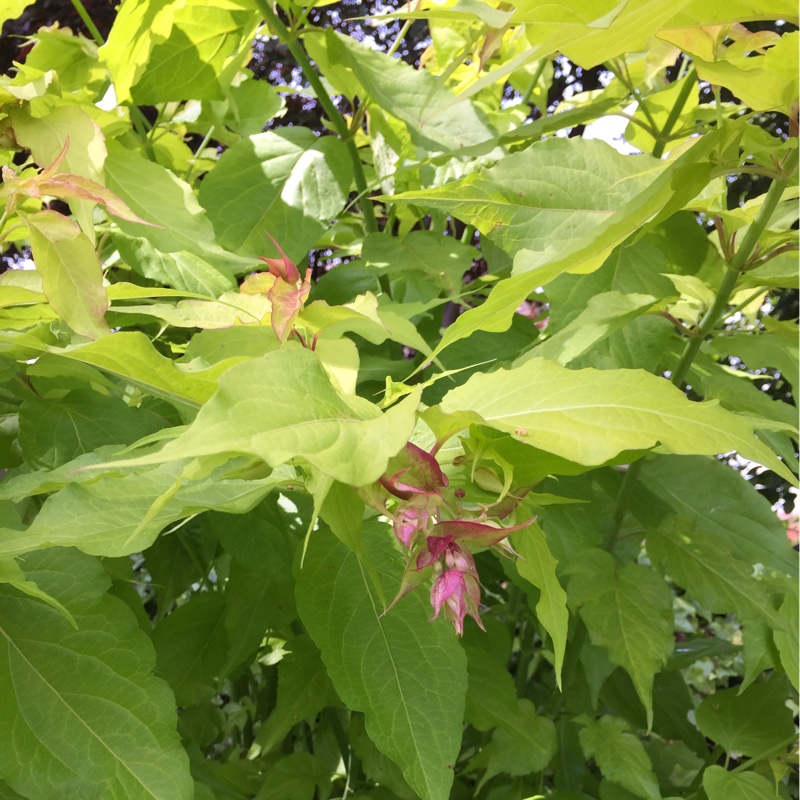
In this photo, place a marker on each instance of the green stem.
(534, 80)
(675, 113)
(399, 38)
(206, 140)
(737, 264)
(336, 119)
(635, 93)
(87, 21)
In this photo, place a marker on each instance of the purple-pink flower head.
(459, 594)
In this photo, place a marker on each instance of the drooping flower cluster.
(434, 546)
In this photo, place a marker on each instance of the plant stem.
(675, 113)
(337, 120)
(88, 22)
(736, 265)
(534, 80)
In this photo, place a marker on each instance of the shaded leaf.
(538, 567)
(628, 611)
(754, 722)
(620, 756)
(83, 712)
(408, 676)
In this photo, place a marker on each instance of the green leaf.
(130, 355)
(720, 784)
(181, 270)
(302, 692)
(523, 744)
(491, 696)
(438, 119)
(758, 350)
(191, 647)
(13, 8)
(120, 516)
(528, 201)
(254, 604)
(191, 61)
(620, 756)
(654, 193)
(419, 256)
(82, 711)
(407, 675)
(286, 183)
(47, 136)
(589, 416)
(158, 196)
(11, 573)
(262, 405)
(786, 639)
(604, 314)
(343, 511)
(294, 777)
(136, 30)
(71, 275)
(753, 723)
(53, 432)
(538, 566)
(696, 561)
(740, 518)
(628, 611)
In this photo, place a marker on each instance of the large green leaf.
(254, 603)
(723, 785)
(538, 566)
(181, 270)
(524, 743)
(286, 184)
(53, 432)
(605, 313)
(527, 200)
(119, 516)
(406, 674)
(130, 355)
(419, 257)
(740, 518)
(137, 28)
(71, 275)
(754, 722)
(284, 406)
(786, 639)
(628, 611)
(413, 95)
(643, 195)
(82, 713)
(589, 416)
(620, 756)
(491, 695)
(696, 561)
(191, 62)
(191, 647)
(157, 195)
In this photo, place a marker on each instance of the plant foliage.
(393, 459)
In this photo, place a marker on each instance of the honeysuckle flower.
(407, 522)
(441, 548)
(459, 594)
